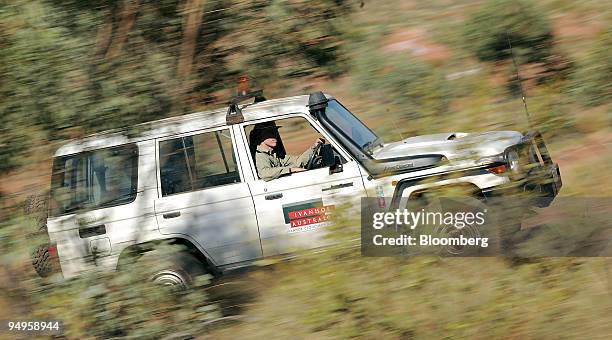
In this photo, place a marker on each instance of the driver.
(269, 165)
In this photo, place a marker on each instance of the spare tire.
(41, 260)
(35, 206)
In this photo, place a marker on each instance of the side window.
(297, 134)
(294, 137)
(197, 162)
(94, 179)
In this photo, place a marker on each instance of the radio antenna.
(520, 81)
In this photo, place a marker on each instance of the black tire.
(35, 206)
(437, 202)
(41, 260)
(177, 271)
(489, 230)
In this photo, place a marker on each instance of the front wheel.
(483, 232)
(454, 233)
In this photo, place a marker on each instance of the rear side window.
(94, 179)
(197, 162)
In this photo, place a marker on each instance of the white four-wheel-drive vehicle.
(193, 180)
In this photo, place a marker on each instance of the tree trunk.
(192, 20)
(126, 21)
(104, 34)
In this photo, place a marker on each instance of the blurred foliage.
(101, 305)
(340, 294)
(69, 67)
(56, 78)
(114, 64)
(425, 298)
(407, 86)
(499, 24)
(489, 29)
(293, 39)
(592, 81)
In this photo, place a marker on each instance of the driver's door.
(293, 211)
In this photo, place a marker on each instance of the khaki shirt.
(270, 167)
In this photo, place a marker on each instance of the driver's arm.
(269, 171)
(301, 160)
(298, 161)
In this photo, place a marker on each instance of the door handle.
(338, 186)
(274, 196)
(172, 214)
(92, 231)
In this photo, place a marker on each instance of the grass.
(427, 298)
(339, 294)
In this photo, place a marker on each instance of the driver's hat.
(264, 130)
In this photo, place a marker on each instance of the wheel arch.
(468, 187)
(136, 249)
(438, 181)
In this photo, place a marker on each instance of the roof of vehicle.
(182, 124)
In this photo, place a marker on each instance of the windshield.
(352, 127)
(95, 179)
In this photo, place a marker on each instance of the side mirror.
(337, 166)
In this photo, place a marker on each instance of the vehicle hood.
(453, 145)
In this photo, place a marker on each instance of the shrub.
(592, 81)
(413, 87)
(488, 29)
(99, 304)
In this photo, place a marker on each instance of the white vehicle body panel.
(461, 146)
(273, 197)
(124, 225)
(220, 219)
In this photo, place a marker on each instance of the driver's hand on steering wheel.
(318, 141)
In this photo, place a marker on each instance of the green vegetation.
(408, 86)
(74, 64)
(424, 298)
(73, 67)
(340, 294)
(103, 305)
(489, 30)
(592, 82)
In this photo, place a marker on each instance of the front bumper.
(541, 178)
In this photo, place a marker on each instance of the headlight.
(509, 160)
(512, 158)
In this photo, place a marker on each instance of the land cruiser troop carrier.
(193, 180)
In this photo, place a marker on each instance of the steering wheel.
(315, 158)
